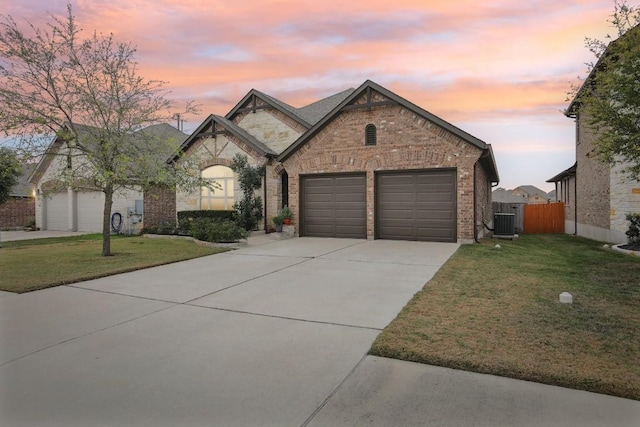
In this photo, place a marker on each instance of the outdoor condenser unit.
(504, 225)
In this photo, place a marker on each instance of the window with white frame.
(220, 197)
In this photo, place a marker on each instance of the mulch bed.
(630, 247)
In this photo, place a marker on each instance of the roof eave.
(387, 93)
(264, 97)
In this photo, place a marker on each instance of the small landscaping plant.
(278, 220)
(250, 179)
(217, 231)
(286, 215)
(633, 233)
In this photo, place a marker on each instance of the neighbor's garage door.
(416, 205)
(90, 209)
(56, 211)
(333, 206)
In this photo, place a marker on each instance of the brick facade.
(408, 138)
(17, 212)
(405, 141)
(159, 206)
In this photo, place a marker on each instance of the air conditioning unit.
(504, 225)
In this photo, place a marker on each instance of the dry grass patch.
(496, 311)
(37, 264)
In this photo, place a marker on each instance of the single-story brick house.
(363, 163)
(20, 210)
(597, 196)
(79, 207)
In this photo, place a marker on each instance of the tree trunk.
(106, 221)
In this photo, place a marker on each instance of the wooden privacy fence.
(544, 218)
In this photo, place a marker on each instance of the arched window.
(370, 135)
(219, 198)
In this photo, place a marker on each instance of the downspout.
(575, 197)
(475, 205)
(264, 186)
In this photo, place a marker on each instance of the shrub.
(166, 228)
(250, 179)
(217, 231)
(633, 233)
(186, 217)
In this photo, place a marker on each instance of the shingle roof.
(564, 174)
(501, 195)
(159, 132)
(533, 190)
(314, 112)
(307, 116)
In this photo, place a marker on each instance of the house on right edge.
(597, 196)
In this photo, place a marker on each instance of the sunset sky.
(498, 69)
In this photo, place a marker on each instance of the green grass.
(30, 265)
(496, 311)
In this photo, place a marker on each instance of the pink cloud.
(467, 61)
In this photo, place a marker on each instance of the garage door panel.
(318, 214)
(426, 215)
(416, 205)
(396, 197)
(400, 179)
(57, 212)
(436, 233)
(351, 198)
(347, 214)
(397, 214)
(431, 198)
(434, 179)
(333, 206)
(90, 211)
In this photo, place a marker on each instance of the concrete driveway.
(274, 334)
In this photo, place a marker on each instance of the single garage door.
(333, 206)
(57, 211)
(416, 205)
(90, 208)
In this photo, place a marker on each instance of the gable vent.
(370, 135)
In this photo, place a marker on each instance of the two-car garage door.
(410, 205)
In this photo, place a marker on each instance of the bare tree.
(88, 92)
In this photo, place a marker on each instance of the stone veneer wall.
(625, 199)
(593, 181)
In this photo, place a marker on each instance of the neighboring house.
(501, 195)
(80, 207)
(20, 210)
(363, 163)
(533, 195)
(597, 196)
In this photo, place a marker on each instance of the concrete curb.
(617, 248)
(231, 245)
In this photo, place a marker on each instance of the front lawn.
(496, 311)
(30, 265)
